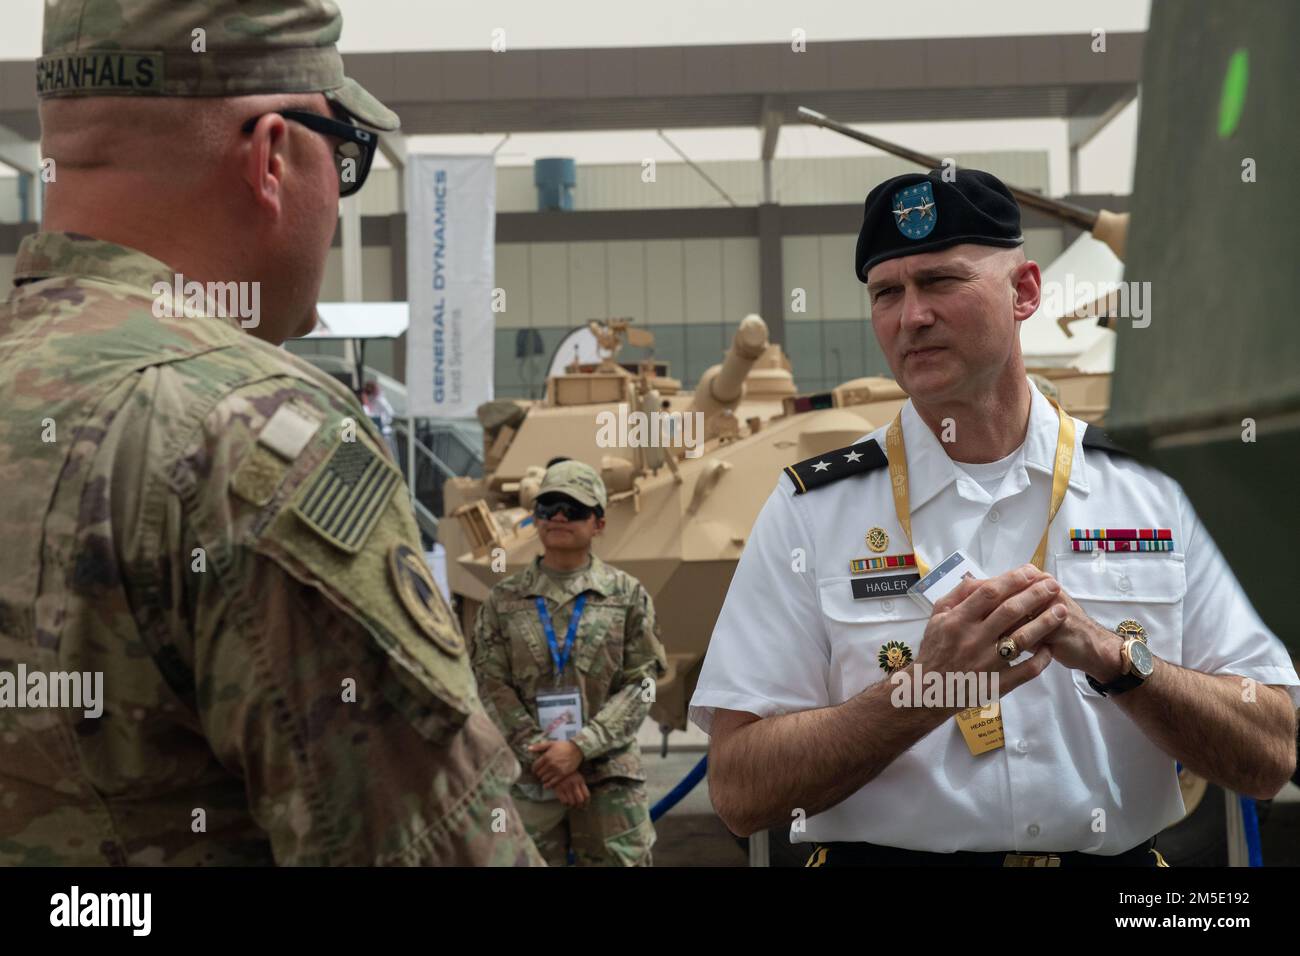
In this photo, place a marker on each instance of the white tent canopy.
(1099, 358)
(1086, 265)
(580, 346)
(361, 320)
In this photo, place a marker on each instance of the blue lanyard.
(545, 615)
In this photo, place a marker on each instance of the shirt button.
(886, 605)
(1124, 582)
(994, 516)
(1022, 746)
(1032, 829)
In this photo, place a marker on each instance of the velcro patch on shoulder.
(422, 599)
(841, 463)
(288, 431)
(258, 476)
(344, 498)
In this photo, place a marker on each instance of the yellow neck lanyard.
(897, 455)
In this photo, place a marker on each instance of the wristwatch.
(1136, 665)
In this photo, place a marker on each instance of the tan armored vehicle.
(686, 473)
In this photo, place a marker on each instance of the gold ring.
(1007, 648)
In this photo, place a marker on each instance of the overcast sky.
(379, 25)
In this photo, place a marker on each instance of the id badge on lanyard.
(981, 728)
(559, 709)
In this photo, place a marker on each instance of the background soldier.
(207, 521)
(565, 638)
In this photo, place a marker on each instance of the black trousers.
(868, 854)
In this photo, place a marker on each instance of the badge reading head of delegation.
(893, 656)
(877, 540)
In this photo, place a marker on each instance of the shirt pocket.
(530, 661)
(859, 630)
(1148, 588)
(598, 653)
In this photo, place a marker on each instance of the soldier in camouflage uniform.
(208, 522)
(584, 787)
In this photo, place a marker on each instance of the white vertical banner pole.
(450, 255)
(350, 209)
(410, 454)
(1238, 852)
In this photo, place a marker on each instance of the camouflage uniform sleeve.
(492, 669)
(616, 724)
(329, 674)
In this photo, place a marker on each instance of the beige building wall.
(795, 181)
(661, 281)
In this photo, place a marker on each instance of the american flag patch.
(345, 499)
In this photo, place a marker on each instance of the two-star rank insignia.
(1094, 437)
(833, 465)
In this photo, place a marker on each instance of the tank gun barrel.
(723, 386)
(1110, 228)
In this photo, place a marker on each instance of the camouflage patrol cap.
(200, 48)
(576, 479)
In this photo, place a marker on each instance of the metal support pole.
(1238, 852)
(350, 209)
(410, 455)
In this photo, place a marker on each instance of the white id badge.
(559, 711)
(943, 579)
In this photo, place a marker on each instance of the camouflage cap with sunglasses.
(200, 48)
(576, 479)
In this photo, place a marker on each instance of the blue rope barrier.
(1250, 819)
(685, 786)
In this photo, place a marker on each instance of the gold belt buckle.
(1031, 859)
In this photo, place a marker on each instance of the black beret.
(921, 212)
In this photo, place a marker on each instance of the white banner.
(450, 233)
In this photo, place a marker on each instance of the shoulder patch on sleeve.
(258, 476)
(288, 431)
(343, 498)
(841, 463)
(1094, 437)
(421, 598)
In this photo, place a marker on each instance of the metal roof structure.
(857, 81)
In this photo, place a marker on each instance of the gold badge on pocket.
(893, 656)
(981, 728)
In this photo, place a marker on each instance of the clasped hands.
(557, 769)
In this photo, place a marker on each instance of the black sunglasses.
(352, 157)
(572, 510)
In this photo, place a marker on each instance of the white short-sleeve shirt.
(1076, 773)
